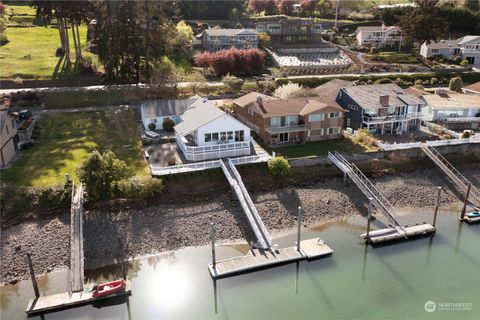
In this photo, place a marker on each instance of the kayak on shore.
(108, 288)
(473, 214)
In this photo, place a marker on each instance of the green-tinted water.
(357, 282)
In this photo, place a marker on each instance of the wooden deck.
(62, 301)
(259, 259)
(390, 234)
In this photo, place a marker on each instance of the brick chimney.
(384, 98)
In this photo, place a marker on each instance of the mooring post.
(369, 217)
(436, 206)
(212, 235)
(32, 275)
(299, 224)
(464, 208)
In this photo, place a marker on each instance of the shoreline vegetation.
(169, 226)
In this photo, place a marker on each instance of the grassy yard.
(318, 148)
(67, 139)
(21, 14)
(30, 52)
(393, 57)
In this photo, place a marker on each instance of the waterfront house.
(157, 111)
(287, 121)
(290, 30)
(380, 36)
(453, 110)
(206, 132)
(467, 47)
(219, 39)
(382, 108)
(9, 137)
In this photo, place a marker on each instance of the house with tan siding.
(288, 121)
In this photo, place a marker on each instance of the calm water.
(391, 282)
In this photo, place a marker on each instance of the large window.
(239, 135)
(315, 117)
(275, 121)
(230, 135)
(292, 120)
(215, 136)
(208, 137)
(334, 114)
(333, 130)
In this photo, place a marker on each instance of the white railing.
(250, 159)
(408, 116)
(222, 150)
(434, 143)
(291, 128)
(460, 119)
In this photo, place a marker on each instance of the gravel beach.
(160, 228)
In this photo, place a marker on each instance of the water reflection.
(365, 255)
(6, 295)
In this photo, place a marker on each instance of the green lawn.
(318, 148)
(20, 14)
(30, 52)
(67, 139)
(393, 57)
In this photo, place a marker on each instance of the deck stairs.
(451, 172)
(264, 241)
(368, 189)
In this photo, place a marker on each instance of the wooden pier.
(61, 301)
(390, 234)
(259, 259)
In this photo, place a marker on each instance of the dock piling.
(122, 258)
(436, 206)
(212, 235)
(464, 208)
(32, 275)
(299, 224)
(369, 217)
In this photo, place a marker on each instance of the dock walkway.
(264, 241)
(451, 172)
(65, 300)
(258, 259)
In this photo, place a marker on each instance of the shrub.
(101, 173)
(434, 81)
(373, 49)
(232, 61)
(457, 60)
(172, 161)
(383, 81)
(249, 86)
(365, 138)
(418, 82)
(290, 90)
(168, 125)
(234, 83)
(141, 188)
(152, 126)
(419, 87)
(264, 39)
(279, 166)
(465, 135)
(456, 84)
(464, 63)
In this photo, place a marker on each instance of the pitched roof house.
(206, 132)
(219, 39)
(280, 121)
(467, 47)
(156, 111)
(382, 108)
(380, 36)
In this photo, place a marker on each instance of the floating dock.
(61, 301)
(390, 234)
(259, 259)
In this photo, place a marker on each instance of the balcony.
(290, 128)
(460, 119)
(470, 50)
(391, 118)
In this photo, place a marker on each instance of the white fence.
(222, 150)
(435, 143)
(204, 165)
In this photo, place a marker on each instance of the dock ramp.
(368, 189)
(76, 270)
(264, 241)
(451, 172)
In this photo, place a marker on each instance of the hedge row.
(311, 82)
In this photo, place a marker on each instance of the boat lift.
(395, 231)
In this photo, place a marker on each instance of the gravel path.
(168, 227)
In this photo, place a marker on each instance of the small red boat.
(108, 288)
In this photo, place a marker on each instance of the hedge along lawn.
(393, 57)
(30, 52)
(67, 139)
(318, 148)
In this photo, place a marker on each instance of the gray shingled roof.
(228, 32)
(198, 114)
(162, 108)
(368, 96)
(443, 44)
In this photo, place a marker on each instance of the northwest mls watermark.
(431, 306)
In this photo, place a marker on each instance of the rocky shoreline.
(169, 227)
